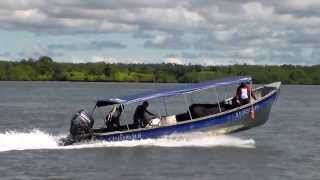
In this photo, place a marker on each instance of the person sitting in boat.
(142, 116)
(243, 95)
(113, 118)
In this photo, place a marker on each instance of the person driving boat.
(142, 116)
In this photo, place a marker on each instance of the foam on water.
(33, 139)
(37, 139)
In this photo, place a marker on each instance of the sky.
(205, 32)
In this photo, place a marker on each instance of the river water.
(35, 114)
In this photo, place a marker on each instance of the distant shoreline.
(46, 70)
(39, 81)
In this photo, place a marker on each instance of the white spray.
(37, 139)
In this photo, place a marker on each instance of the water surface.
(35, 114)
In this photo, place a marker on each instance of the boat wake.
(37, 139)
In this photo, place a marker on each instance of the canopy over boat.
(176, 90)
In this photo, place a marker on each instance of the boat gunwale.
(197, 119)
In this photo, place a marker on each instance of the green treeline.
(45, 69)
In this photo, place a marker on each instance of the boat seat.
(182, 117)
(168, 120)
(201, 110)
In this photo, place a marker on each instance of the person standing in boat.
(142, 116)
(243, 95)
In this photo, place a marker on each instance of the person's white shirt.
(244, 93)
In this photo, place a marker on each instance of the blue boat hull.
(227, 122)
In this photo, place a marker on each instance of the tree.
(107, 70)
(44, 67)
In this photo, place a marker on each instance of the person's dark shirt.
(142, 115)
(139, 114)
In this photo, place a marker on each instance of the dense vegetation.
(45, 69)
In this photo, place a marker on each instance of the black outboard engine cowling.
(80, 128)
(81, 123)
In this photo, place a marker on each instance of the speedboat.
(220, 117)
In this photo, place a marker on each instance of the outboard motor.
(80, 128)
(81, 123)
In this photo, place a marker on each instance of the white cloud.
(159, 39)
(225, 35)
(103, 59)
(302, 5)
(248, 52)
(171, 18)
(256, 10)
(29, 15)
(175, 60)
(261, 31)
